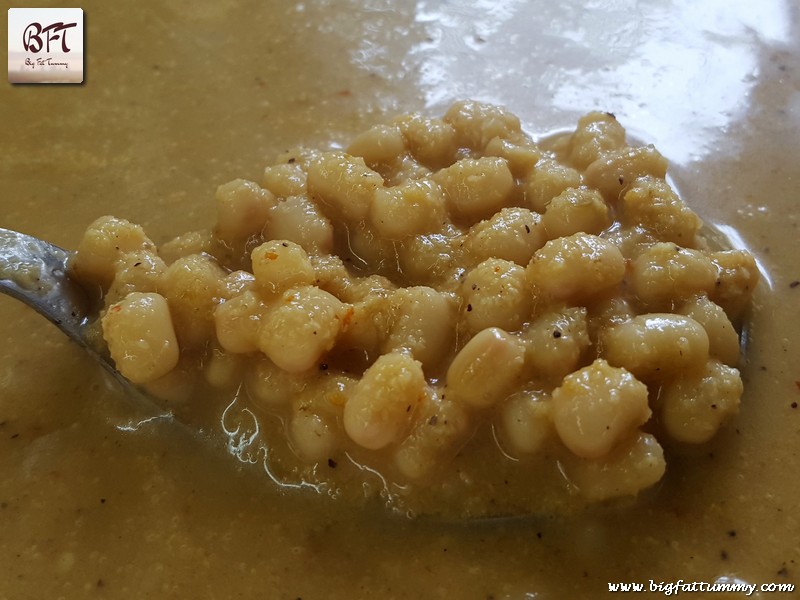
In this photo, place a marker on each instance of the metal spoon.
(36, 273)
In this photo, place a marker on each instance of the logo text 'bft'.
(32, 36)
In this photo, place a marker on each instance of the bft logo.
(45, 45)
(32, 36)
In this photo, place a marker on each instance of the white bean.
(577, 268)
(486, 368)
(344, 183)
(511, 234)
(694, 406)
(281, 264)
(496, 294)
(411, 208)
(383, 403)
(299, 220)
(140, 337)
(635, 465)
(476, 123)
(104, 241)
(300, 326)
(424, 324)
(576, 210)
(596, 134)
(236, 322)
(614, 171)
(556, 341)
(722, 337)
(524, 422)
(656, 346)
(382, 144)
(664, 275)
(598, 406)
(242, 209)
(476, 188)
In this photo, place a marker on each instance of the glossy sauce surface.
(95, 500)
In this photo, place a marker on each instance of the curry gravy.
(97, 500)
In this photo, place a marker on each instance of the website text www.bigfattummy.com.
(669, 588)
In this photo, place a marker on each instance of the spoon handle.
(35, 272)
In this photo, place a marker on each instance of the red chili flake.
(347, 318)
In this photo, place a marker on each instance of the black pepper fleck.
(331, 463)
(469, 307)
(794, 284)
(323, 366)
(732, 533)
(793, 405)
(527, 229)
(556, 334)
